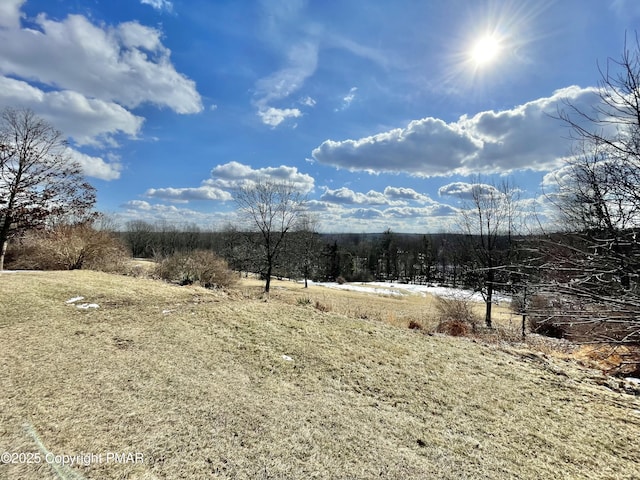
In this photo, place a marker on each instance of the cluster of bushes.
(81, 246)
(201, 267)
(68, 247)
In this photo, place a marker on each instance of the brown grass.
(212, 385)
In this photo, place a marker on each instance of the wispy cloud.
(347, 99)
(159, 4)
(307, 101)
(301, 63)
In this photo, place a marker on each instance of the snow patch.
(287, 358)
(74, 299)
(400, 289)
(87, 306)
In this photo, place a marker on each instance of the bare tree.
(38, 180)
(488, 220)
(307, 246)
(271, 209)
(139, 236)
(613, 124)
(589, 268)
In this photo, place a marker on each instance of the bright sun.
(485, 50)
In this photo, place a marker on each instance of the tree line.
(356, 257)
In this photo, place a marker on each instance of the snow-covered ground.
(388, 288)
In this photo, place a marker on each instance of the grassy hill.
(202, 384)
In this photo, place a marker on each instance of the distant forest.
(443, 258)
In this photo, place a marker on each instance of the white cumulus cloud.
(275, 116)
(10, 13)
(89, 121)
(204, 192)
(235, 174)
(125, 63)
(84, 78)
(525, 137)
(96, 167)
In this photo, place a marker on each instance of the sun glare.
(485, 50)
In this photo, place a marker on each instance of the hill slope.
(202, 385)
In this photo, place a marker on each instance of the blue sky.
(378, 110)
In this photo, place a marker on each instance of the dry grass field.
(191, 384)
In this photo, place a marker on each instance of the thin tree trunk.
(267, 283)
(3, 252)
(489, 299)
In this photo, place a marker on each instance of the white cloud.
(346, 196)
(560, 176)
(96, 167)
(137, 205)
(204, 192)
(84, 78)
(408, 194)
(235, 174)
(425, 147)
(525, 137)
(10, 13)
(230, 176)
(275, 116)
(159, 4)
(307, 101)
(466, 191)
(347, 99)
(87, 121)
(126, 63)
(346, 210)
(358, 218)
(390, 196)
(302, 61)
(363, 214)
(440, 210)
(172, 215)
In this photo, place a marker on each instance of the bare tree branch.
(38, 180)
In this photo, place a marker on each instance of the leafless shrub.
(455, 317)
(455, 328)
(413, 325)
(322, 307)
(200, 266)
(70, 247)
